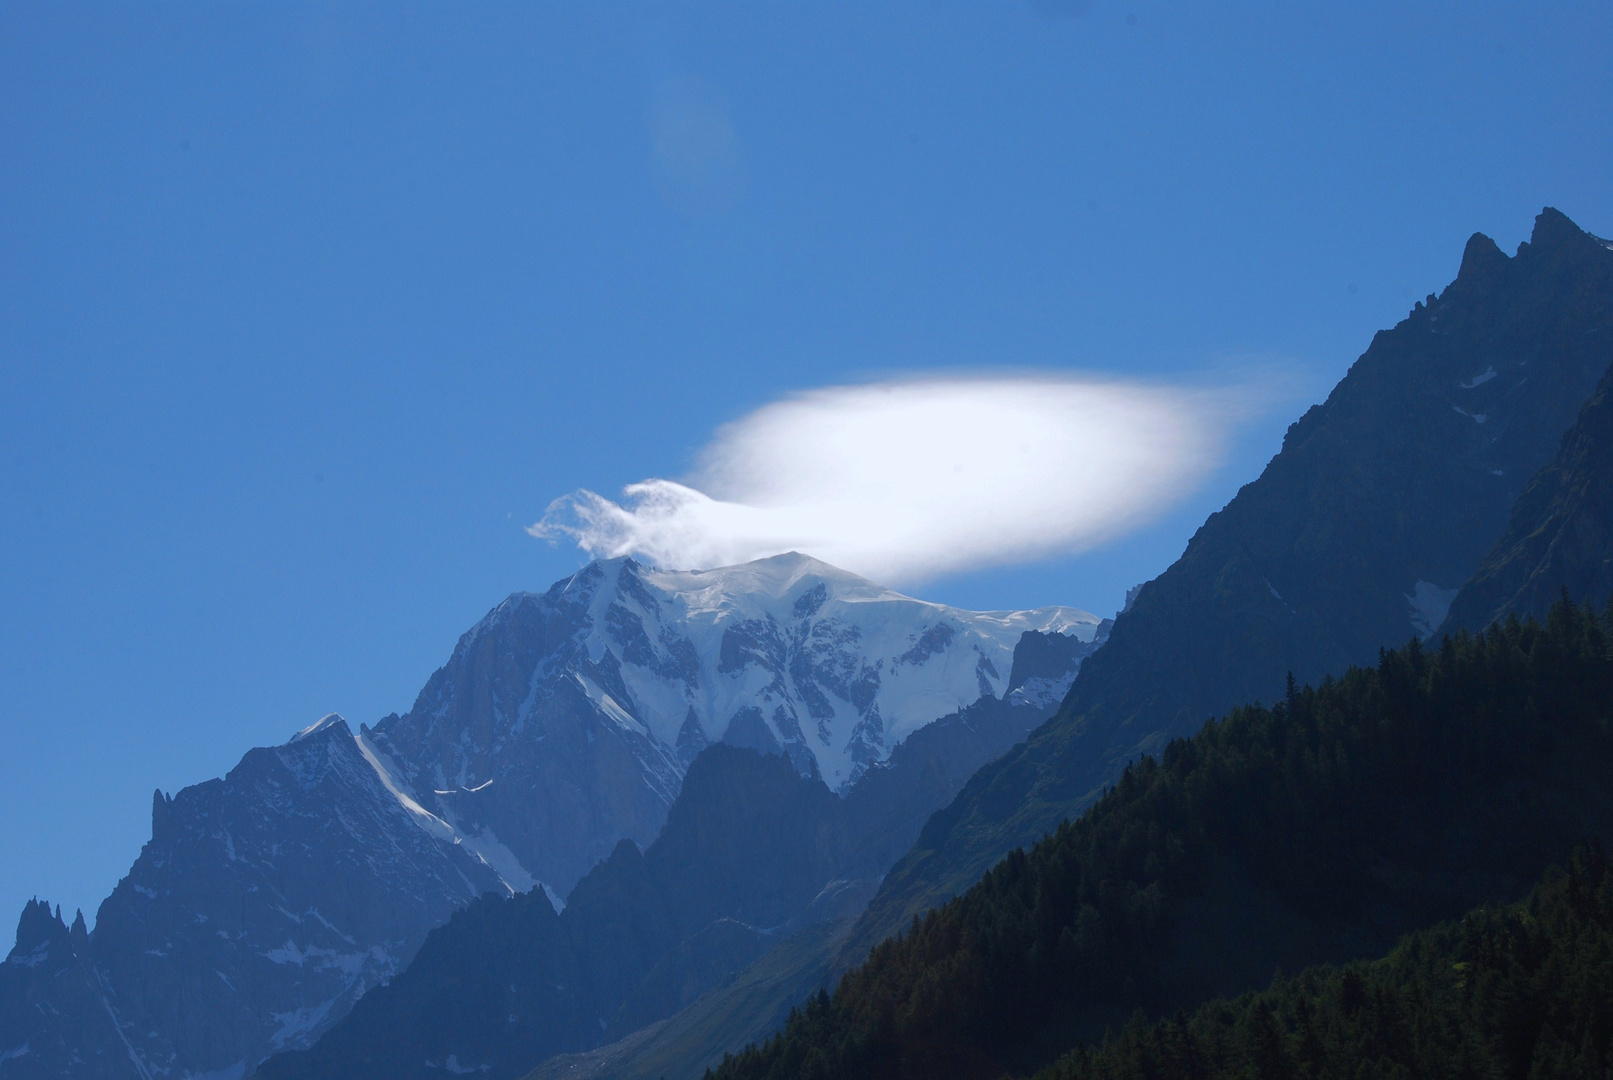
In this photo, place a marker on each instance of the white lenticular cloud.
(905, 481)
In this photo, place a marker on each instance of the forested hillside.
(1317, 830)
(1520, 992)
(1381, 504)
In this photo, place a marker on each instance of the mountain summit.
(1383, 501)
(268, 901)
(565, 719)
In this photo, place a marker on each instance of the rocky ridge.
(751, 853)
(268, 901)
(1383, 501)
(564, 720)
(1560, 537)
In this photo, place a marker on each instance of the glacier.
(268, 901)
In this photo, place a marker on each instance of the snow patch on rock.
(1428, 605)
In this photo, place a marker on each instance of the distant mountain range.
(1457, 472)
(751, 853)
(750, 848)
(564, 720)
(1318, 830)
(1383, 502)
(268, 902)
(841, 741)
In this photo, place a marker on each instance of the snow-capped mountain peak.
(563, 722)
(589, 700)
(789, 653)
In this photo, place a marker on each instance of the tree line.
(1347, 814)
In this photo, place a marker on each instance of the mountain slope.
(748, 1007)
(1526, 991)
(268, 901)
(508, 982)
(786, 655)
(886, 807)
(53, 1010)
(751, 852)
(1315, 831)
(892, 800)
(263, 906)
(1382, 501)
(1561, 533)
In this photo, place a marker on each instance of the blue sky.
(306, 312)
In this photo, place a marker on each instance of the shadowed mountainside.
(1382, 502)
(1561, 533)
(1315, 831)
(268, 901)
(751, 853)
(1525, 991)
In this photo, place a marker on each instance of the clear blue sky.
(306, 311)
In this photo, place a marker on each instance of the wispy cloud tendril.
(905, 481)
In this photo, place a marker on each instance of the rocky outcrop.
(747, 847)
(54, 1017)
(1382, 503)
(263, 906)
(1560, 537)
(269, 901)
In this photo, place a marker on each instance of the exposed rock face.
(892, 801)
(886, 807)
(1561, 533)
(268, 901)
(564, 721)
(747, 846)
(751, 851)
(1383, 499)
(263, 906)
(54, 1020)
(1381, 504)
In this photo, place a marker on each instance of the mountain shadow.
(1315, 831)
(1383, 501)
(1560, 537)
(752, 852)
(1522, 991)
(509, 981)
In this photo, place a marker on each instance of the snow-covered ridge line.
(562, 724)
(785, 653)
(484, 845)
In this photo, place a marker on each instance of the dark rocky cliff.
(1560, 537)
(746, 848)
(1382, 502)
(263, 906)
